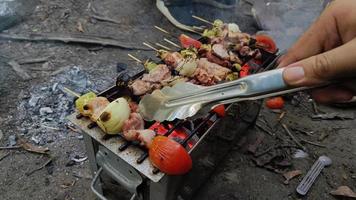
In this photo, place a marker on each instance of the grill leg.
(91, 149)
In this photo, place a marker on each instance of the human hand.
(326, 52)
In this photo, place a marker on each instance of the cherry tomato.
(169, 156)
(187, 42)
(245, 70)
(266, 42)
(220, 110)
(275, 103)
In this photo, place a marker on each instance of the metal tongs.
(184, 99)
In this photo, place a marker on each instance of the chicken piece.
(140, 87)
(95, 107)
(134, 122)
(159, 74)
(214, 69)
(130, 135)
(146, 137)
(173, 59)
(238, 37)
(220, 51)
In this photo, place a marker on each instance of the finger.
(321, 36)
(332, 94)
(331, 65)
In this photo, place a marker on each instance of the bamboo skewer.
(71, 92)
(172, 43)
(203, 20)
(162, 46)
(150, 46)
(162, 30)
(134, 58)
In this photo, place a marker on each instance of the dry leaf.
(344, 191)
(80, 27)
(290, 175)
(68, 184)
(32, 148)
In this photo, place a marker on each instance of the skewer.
(134, 58)
(150, 46)
(164, 47)
(203, 20)
(162, 30)
(71, 92)
(172, 43)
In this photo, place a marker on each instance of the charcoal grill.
(208, 140)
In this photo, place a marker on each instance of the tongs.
(185, 99)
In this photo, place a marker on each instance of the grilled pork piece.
(220, 51)
(140, 87)
(172, 59)
(159, 74)
(145, 136)
(133, 107)
(94, 108)
(203, 78)
(214, 69)
(134, 122)
(214, 59)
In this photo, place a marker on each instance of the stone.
(45, 110)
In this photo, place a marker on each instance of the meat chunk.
(146, 137)
(140, 87)
(133, 107)
(160, 73)
(94, 108)
(214, 69)
(214, 59)
(134, 122)
(173, 59)
(234, 58)
(245, 51)
(203, 78)
(220, 51)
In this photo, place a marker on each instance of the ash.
(44, 108)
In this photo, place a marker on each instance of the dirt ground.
(248, 172)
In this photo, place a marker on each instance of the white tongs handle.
(252, 87)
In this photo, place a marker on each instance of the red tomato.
(245, 70)
(275, 103)
(187, 42)
(266, 42)
(169, 156)
(220, 110)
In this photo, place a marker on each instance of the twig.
(49, 127)
(162, 46)
(172, 43)
(33, 60)
(203, 20)
(10, 148)
(264, 129)
(4, 156)
(105, 19)
(67, 38)
(281, 116)
(73, 129)
(293, 137)
(313, 143)
(41, 167)
(19, 71)
(274, 147)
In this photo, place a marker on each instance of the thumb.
(334, 64)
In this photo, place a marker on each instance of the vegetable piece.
(169, 156)
(95, 107)
(114, 115)
(189, 53)
(162, 54)
(237, 66)
(232, 76)
(266, 43)
(188, 42)
(245, 70)
(218, 23)
(188, 69)
(83, 100)
(149, 65)
(275, 103)
(232, 27)
(220, 110)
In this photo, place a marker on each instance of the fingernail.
(293, 75)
